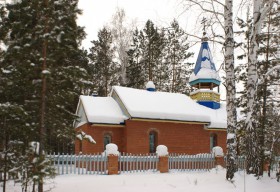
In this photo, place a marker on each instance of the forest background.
(44, 68)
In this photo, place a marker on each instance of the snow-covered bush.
(112, 149)
(82, 135)
(218, 151)
(162, 150)
(34, 147)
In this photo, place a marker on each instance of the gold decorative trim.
(107, 125)
(216, 129)
(170, 121)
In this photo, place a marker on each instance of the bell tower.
(205, 78)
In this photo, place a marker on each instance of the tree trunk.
(43, 100)
(264, 91)
(231, 92)
(5, 171)
(5, 155)
(253, 148)
(173, 72)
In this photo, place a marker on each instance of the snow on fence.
(130, 163)
(183, 162)
(137, 163)
(79, 164)
(276, 164)
(241, 163)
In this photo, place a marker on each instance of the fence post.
(113, 158)
(219, 156)
(162, 152)
(163, 164)
(113, 162)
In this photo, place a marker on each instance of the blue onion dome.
(205, 70)
(150, 86)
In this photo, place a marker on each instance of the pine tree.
(269, 43)
(29, 28)
(254, 149)
(151, 49)
(146, 56)
(267, 40)
(160, 74)
(176, 57)
(241, 78)
(159, 55)
(104, 69)
(135, 69)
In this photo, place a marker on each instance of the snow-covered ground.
(212, 181)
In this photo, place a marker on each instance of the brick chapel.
(138, 120)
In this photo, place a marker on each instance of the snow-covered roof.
(204, 67)
(102, 110)
(168, 106)
(205, 73)
(218, 116)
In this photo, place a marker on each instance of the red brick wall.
(134, 137)
(178, 137)
(97, 132)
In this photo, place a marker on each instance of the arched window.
(213, 140)
(153, 141)
(107, 139)
(81, 146)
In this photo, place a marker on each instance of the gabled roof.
(168, 106)
(103, 110)
(125, 103)
(205, 67)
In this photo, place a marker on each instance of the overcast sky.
(97, 13)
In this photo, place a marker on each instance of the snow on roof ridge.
(205, 73)
(102, 110)
(168, 106)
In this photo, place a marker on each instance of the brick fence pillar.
(163, 164)
(266, 165)
(219, 156)
(220, 161)
(113, 164)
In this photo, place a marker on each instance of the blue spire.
(205, 77)
(205, 70)
(204, 59)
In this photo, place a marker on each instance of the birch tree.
(253, 131)
(122, 39)
(231, 92)
(254, 151)
(224, 20)
(266, 75)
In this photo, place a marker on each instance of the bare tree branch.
(200, 4)
(213, 7)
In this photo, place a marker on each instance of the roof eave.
(210, 80)
(169, 120)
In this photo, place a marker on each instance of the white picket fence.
(184, 162)
(276, 164)
(130, 163)
(79, 164)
